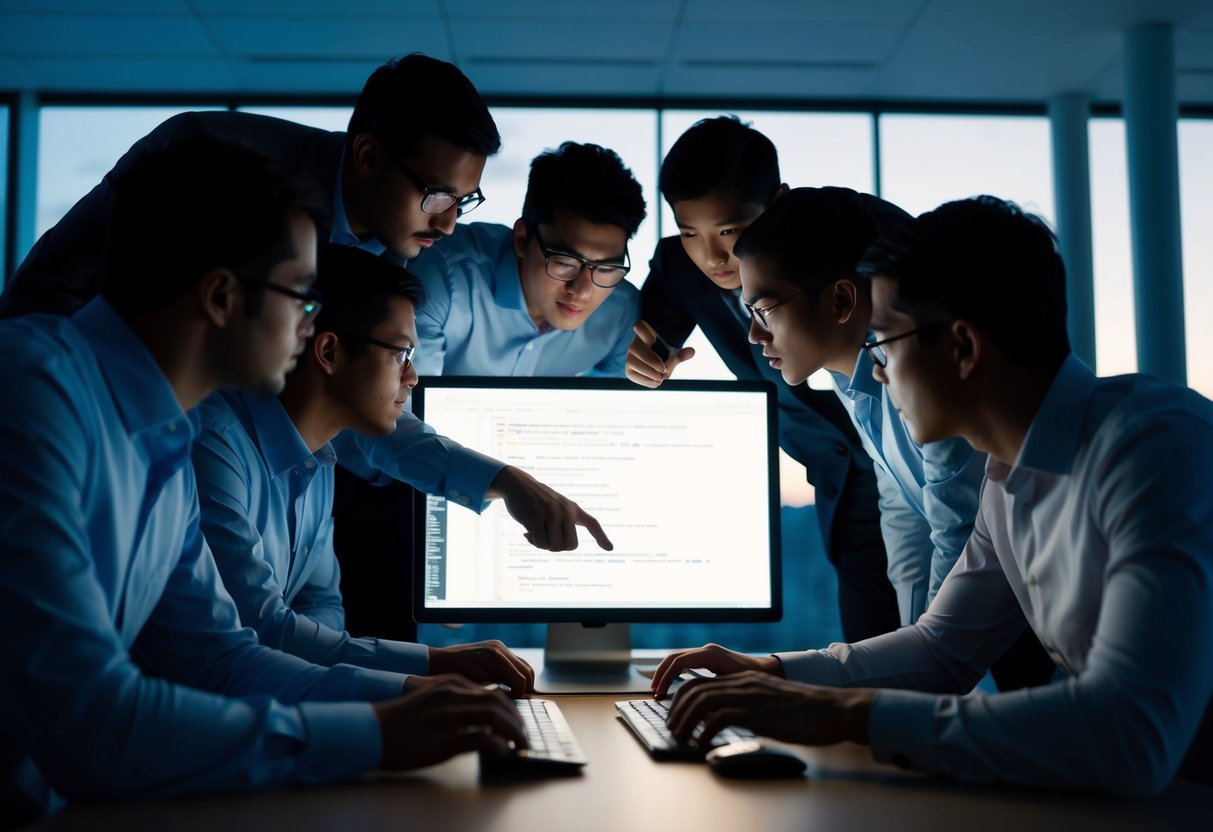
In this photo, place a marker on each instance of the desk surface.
(622, 789)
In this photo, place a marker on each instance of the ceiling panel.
(798, 11)
(115, 7)
(546, 39)
(327, 8)
(506, 79)
(71, 37)
(328, 38)
(819, 44)
(619, 11)
(770, 83)
(150, 75)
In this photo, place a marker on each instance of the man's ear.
(520, 237)
(967, 350)
(220, 297)
(323, 352)
(781, 190)
(844, 297)
(369, 155)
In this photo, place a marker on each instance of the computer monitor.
(683, 479)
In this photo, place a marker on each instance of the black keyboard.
(646, 719)
(553, 749)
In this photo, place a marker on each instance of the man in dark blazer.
(718, 177)
(393, 185)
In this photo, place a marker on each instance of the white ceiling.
(887, 50)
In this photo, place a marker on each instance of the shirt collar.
(142, 394)
(1053, 437)
(507, 283)
(861, 382)
(342, 234)
(281, 445)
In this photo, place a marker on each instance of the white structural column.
(1072, 195)
(1151, 115)
(23, 170)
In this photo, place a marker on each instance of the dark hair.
(357, 286)
(180, 212)
(987, 261)
(587, 181)
(410, 98)
(811, 235)
(721, 153)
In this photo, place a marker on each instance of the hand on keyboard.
(552, 748)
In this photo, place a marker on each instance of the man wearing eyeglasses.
(265, 477)
(1095, 531)
(546, 297)
(393, 185)
(807, 313)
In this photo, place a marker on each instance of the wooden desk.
(622, 789)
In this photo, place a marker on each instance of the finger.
(690, 703)
(645, 333)
(511, 673)
(722, 718)
(669, 669)
(524, 670)
(641, 372)
(684, 354)
(595, 529)
(537, 535)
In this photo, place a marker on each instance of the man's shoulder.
(1127, 405)
(46, 342)
(472, 246)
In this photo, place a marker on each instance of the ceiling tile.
(132, 75)
(328, 38)
(72, 37)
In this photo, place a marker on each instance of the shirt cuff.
(900, 729)
(403, 657)
(470, 475)
(376, 685)
(343, 741)
(811, 666)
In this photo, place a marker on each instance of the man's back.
(63, 269)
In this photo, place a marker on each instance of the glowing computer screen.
(683, 480)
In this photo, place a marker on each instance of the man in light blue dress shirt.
(546, 297)
(265, 477)
(126, 669)
(1095, 530)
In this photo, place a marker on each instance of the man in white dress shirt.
(1095, 529)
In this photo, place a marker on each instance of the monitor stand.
(589, 658)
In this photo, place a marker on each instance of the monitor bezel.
(604, 615)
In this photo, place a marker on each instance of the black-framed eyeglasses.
(310, 299)
(876, 348)
(567, 267)
(759, 314)
(404, 355)
(439, 200)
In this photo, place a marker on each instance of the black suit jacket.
(63, 270)
(814, 429)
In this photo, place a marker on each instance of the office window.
(3, 193)
(1196, 203)
(928, 160)
(78, 145)
(1115, 331)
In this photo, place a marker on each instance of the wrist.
(858, 709)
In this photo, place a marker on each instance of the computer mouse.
(754, 759)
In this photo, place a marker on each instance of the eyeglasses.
(876, 348)
(759, 314)
(404, 355)
(567, 267)
(438, 200)
(311, 300)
